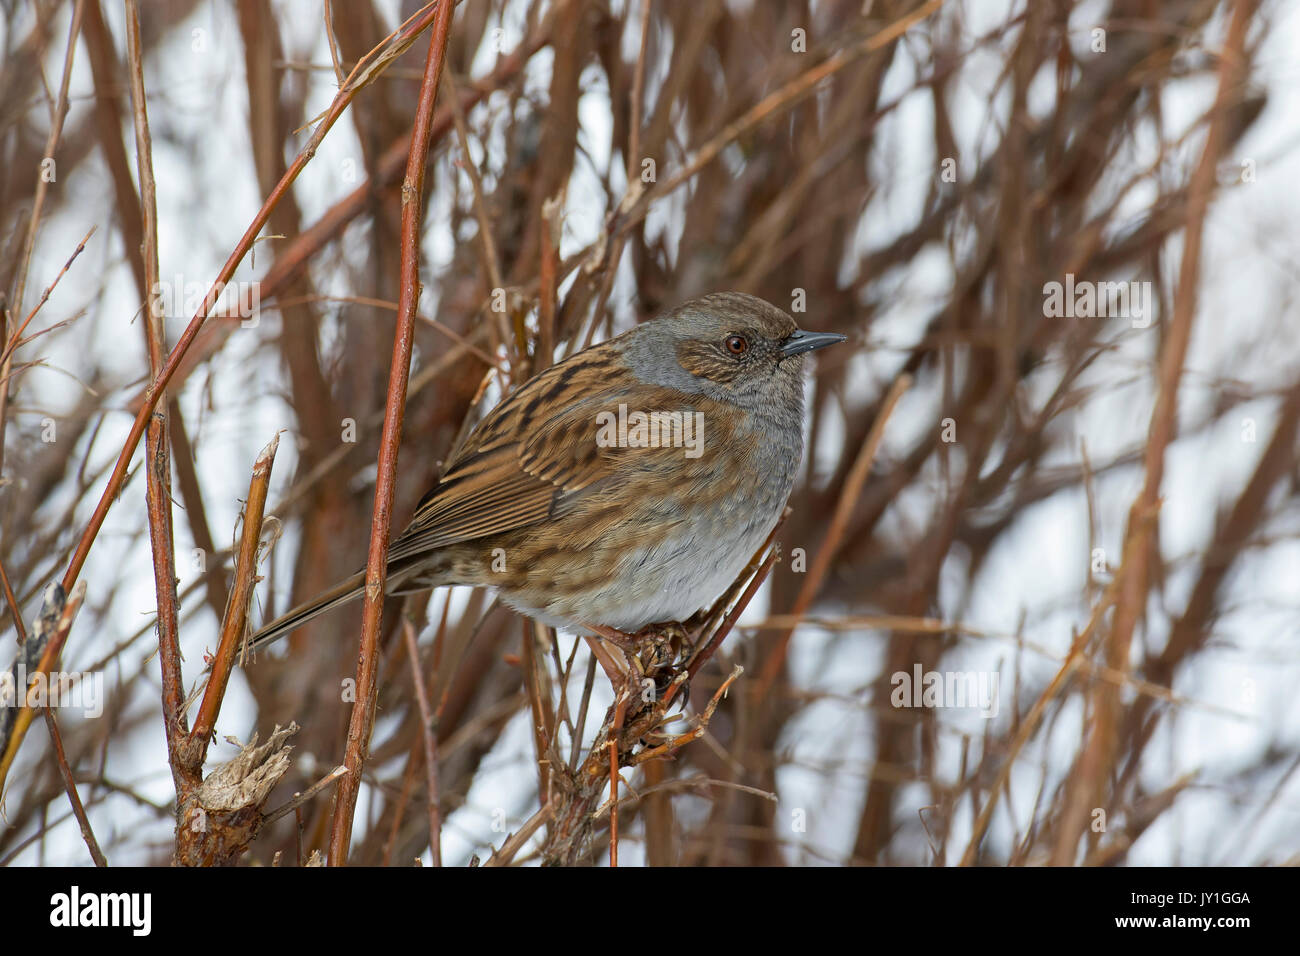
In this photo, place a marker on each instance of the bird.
(623, 487)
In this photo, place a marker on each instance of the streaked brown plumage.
(575, 531)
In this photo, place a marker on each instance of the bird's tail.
(347, 590)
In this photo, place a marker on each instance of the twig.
(543, 720)
(12, 601)
(429, 735)
(583, 704)
(549, 253)
(58, 112)
(490, 257)
(63, 610)
(515, 842)
(335, 59)
(705, 654)
(638, 94)
(234, 626)
(361, 723)
(794, 91)
(299, 799)
(70, 785)
(702, 723)
(158, 462)
(1030, 725)
(14, 339)
(620, 712)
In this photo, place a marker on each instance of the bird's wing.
(533, 453)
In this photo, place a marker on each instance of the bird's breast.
(663, 541)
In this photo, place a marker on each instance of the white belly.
(673, 579)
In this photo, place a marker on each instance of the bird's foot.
(648, 657)
(653, 647)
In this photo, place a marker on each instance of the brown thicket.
(912, 174)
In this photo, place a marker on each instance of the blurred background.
(1070, 223)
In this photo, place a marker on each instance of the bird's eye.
(737, 344)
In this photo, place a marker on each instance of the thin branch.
(362, 721)
(58, 112)
(515, 842)
(298, 799)
(235, 624)
(429, 734)
(70, 785)
(158, 468)
(16, 339)
(60, 611)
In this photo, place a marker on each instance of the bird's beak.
(802, 341)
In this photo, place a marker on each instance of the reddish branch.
(158, 489)
(362, 720)
(233, 627)
(70, 786)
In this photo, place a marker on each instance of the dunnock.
(625, 486)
